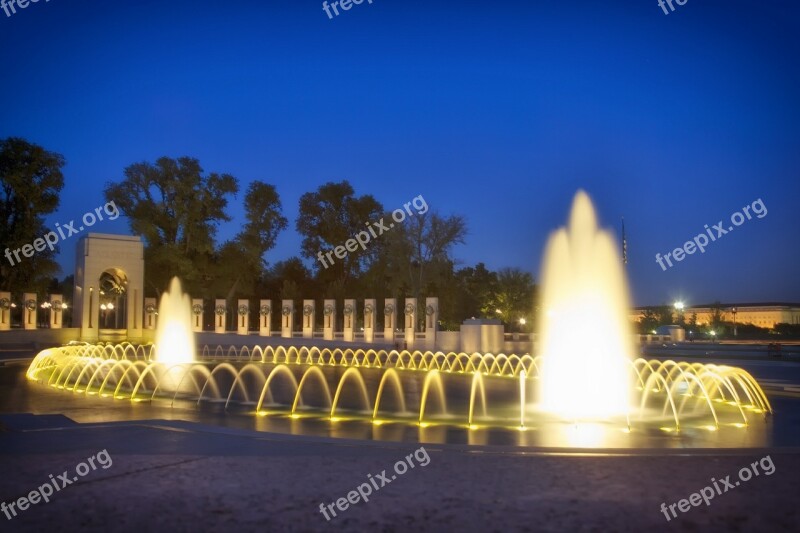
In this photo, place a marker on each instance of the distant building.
(763, 315)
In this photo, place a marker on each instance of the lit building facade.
(763, 315)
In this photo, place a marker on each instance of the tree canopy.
(30, 183)
(178, 209)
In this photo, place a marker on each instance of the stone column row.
(30, 310)
(391, 321)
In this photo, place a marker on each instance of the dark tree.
(30, 184)
(177, 208)
(327, 219)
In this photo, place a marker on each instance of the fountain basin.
(471, 391)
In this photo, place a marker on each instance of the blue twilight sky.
(498, 111)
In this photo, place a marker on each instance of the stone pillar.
(369, 320)
(389, 319)
(309, 315)
(329, 319)
(133, 304)
(410, 327)
(56, 311)
(243, 317)
(5, 311)
(349, 324)
(220, 316)
(29, 310)
(265, 318)
(89, 311)
(150, 309)
(431, 321)
(287, 318)
(197, 315)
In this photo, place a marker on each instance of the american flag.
(624, 244)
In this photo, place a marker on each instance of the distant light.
(522, 321)
(499, 312)
(679, 305)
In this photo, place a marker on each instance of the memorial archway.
(109, 283)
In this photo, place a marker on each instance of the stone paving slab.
(187, 477)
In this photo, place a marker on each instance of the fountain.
(174, 337)
(585, 373)
(581, 386)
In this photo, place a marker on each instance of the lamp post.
(105, 308)
(59, 308)
(46, 307)
(733, 310)
(679, 311)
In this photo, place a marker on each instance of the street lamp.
(46, 306)
(105, 308)
(679, 311)
(713, 335)
(733, 310)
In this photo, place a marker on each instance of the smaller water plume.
(174, 337)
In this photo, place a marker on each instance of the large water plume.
(586, 339)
